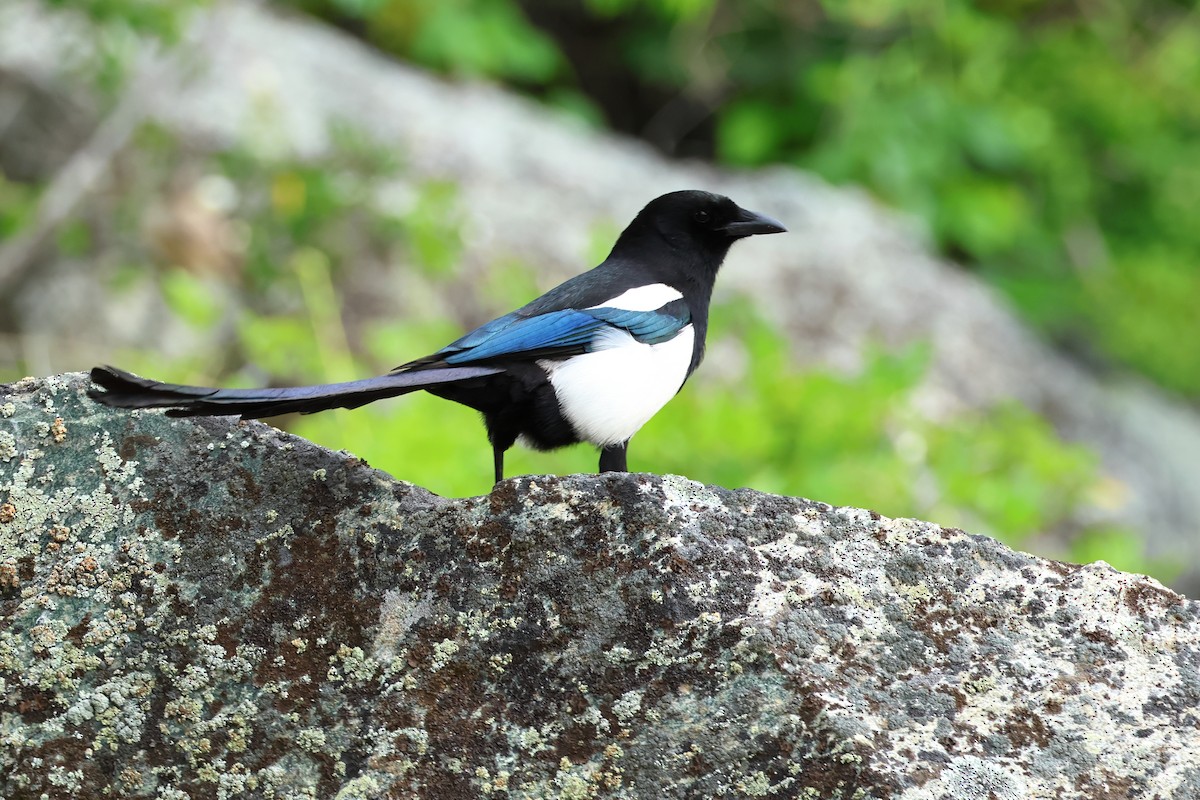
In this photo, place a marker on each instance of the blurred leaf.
(1010, 471)
(17, 204)
(433, 227)
(1142, 306)
(191, 298)
(281, 346)
(288, 194)
(359, 8)
(986, 217)
(480, 37)
(1122, 550)
(748, 133)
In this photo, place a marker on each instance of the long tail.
(115, 387)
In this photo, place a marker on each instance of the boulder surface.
(541, 190)
(207, 608)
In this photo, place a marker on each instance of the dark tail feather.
(126, 390)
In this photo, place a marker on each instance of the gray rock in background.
(202, 608)
(533, 185)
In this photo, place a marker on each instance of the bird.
(591, 360)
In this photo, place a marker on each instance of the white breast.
(608, 394)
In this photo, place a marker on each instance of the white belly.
(608, 394)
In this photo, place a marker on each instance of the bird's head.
(696, 222)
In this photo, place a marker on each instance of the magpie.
(591, 360)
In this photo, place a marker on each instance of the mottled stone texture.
(534, 187)
(204, 609)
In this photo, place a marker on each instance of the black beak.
(750, 223)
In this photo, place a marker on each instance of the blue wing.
(648, 327)
(556, 334)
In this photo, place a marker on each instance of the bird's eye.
(701, 216)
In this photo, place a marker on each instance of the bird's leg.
(612, 458)
(498, 461)
(501, 438)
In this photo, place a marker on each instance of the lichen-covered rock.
(210, 609)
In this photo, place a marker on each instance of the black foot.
(612, 458)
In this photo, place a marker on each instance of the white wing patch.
(611, 392)
(644, 298)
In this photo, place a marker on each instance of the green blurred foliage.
(17, 203)
(324, 203)
(1052, 148)
(121, 27)
(159, 19)
(468, 37)
(855, 440)
(1055, 148)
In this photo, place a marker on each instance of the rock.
(206, 608)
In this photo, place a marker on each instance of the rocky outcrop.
(205, 608)
(534, 186)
